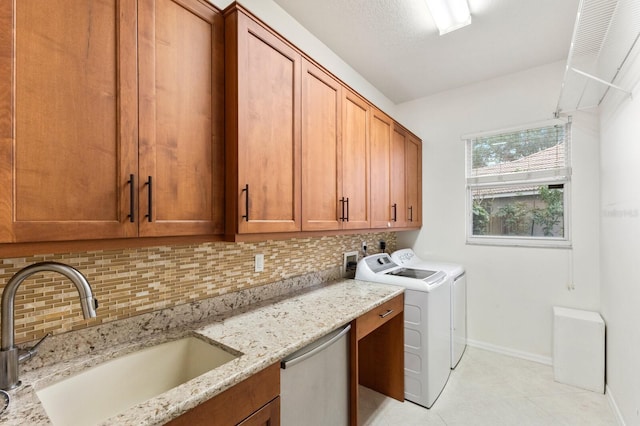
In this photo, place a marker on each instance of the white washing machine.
(456, 274)
(427, 306)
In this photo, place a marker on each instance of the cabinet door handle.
(386, 314)
(342, 217)
(411, 214)
(347, 202)
(132, 193)
(150, 204)
(395, 212)
(246, 203)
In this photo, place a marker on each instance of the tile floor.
(492, 389)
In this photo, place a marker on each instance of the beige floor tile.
(378, 410)
(494, 390)
(580, 408)
(499, 412)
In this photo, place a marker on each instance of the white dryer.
(456, 274)
(427, 308)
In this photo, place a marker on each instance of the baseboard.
(547, 360)
(614, 407)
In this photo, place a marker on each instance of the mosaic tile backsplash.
(131, 282)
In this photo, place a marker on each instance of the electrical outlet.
(349, 264)
(259, 262)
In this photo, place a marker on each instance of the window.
(518, 185)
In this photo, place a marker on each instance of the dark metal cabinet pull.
(150, 206)
(246, 203)
(395, 212)
(132, 193)
(342, 216)
(347, 203)
(411, 214)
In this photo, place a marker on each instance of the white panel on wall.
(578, 348)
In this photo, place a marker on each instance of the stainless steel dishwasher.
(314, 382)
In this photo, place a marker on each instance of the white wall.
(274, 16)
(511, 290)
(620, 244)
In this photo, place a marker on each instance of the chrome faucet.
(9, 353)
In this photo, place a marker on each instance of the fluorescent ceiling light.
(449, 15)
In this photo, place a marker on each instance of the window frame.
(539, 178)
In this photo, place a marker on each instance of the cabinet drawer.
(269, 415)
(379, 315)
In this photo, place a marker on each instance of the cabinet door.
(398, 178)
(181, 148)
(381, 130)
(355, 160)
(321, 180)
(263, 80)
(413, 172)
(68, 119)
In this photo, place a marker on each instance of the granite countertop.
(263, 333)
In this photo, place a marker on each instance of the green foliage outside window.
(481, 216)
(514, 218)
(521, 214)
(553, 213)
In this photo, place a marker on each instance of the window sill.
(555, 243)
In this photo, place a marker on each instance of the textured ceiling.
(395, 45)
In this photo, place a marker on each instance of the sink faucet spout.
(9, 357)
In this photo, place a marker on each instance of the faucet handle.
(27, 354)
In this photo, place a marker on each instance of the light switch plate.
(259, 262)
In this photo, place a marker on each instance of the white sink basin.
(110, 388)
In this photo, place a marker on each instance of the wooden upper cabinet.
(380, 145)
(323, 206)
(68, 119)
(181, 162)
(399, 213)
(127, 118)
(356, 114)
(263, 75)
(98, 96)
(413, 174)
(406, 179)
